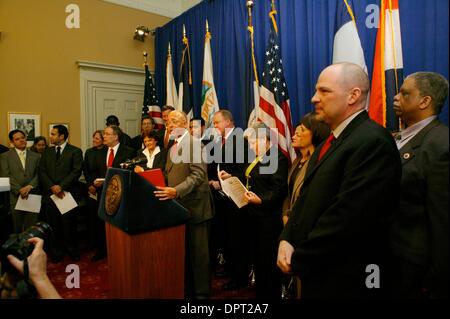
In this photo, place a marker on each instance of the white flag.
(171, 89)
(210, 104)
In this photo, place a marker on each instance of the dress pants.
(197, 264)
(64, 239)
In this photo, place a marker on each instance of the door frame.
(95, 76)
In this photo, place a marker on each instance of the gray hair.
(434, 85)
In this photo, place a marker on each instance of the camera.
(12, 284)
(18, 245)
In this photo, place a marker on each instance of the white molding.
(166, 8)
(94, 76)
(109, 67)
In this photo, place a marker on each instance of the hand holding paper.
(65, 204)
(31, 204)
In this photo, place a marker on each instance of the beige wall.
(38, 54)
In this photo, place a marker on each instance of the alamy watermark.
(261, 142)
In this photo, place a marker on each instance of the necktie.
(223, 140)
(111, 157)
(166, 139)
(22, 158)
(326, 146)
(58, 153)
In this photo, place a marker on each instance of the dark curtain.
(306, 29)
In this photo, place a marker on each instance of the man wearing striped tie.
(21, 166)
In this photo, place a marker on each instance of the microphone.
(128, 164)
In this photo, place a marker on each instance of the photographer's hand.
(37, 266)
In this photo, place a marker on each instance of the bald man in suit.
(339, 226)
(187, 181)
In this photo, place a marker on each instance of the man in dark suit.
(339, 228)
(111, 156)
(3, 149)
(59, 170)
(21, 166)
(230, 225)
(164, 134)
(420, 232)
(125, 139)
(188, 183)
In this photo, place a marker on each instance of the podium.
(145, 238)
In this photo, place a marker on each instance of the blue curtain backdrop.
(306, 29)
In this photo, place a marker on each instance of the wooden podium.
(145, 238)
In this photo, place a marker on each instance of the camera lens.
(41, 230)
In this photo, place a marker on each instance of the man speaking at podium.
(187, 182)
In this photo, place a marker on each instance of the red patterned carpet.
(94, 281)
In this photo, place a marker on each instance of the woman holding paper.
(266, 178)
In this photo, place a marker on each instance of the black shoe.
(98, 256)
(220, 273)
(232, 285)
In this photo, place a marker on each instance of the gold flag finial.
(145, 54)
(169, 51)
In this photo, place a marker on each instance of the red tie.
(111, 157)
(223, 140)
(326, 146)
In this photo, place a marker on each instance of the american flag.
(150, 105)
(274, 109)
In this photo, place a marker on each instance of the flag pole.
(272, 14)
(186, 42)
(251, 30)
(145, 54)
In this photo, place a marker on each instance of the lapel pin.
(406, 156)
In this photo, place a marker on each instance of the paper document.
(4, 184)
(234, 189)
(32, 204)
(99, 180)
(67, 203)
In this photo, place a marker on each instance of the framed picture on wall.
(50, 126)
(30, 123)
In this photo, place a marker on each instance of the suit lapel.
(314, 164)
(299, 181)
(408, 150)
(16, 159)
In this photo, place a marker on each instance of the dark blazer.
(421, 227)
(125, 139)
(3, 149)
(158, 162)
(89, 164)
(123, 153)
(136, 143)
(340, 222)
(64, 172)
(271, 188)
(161, 134)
